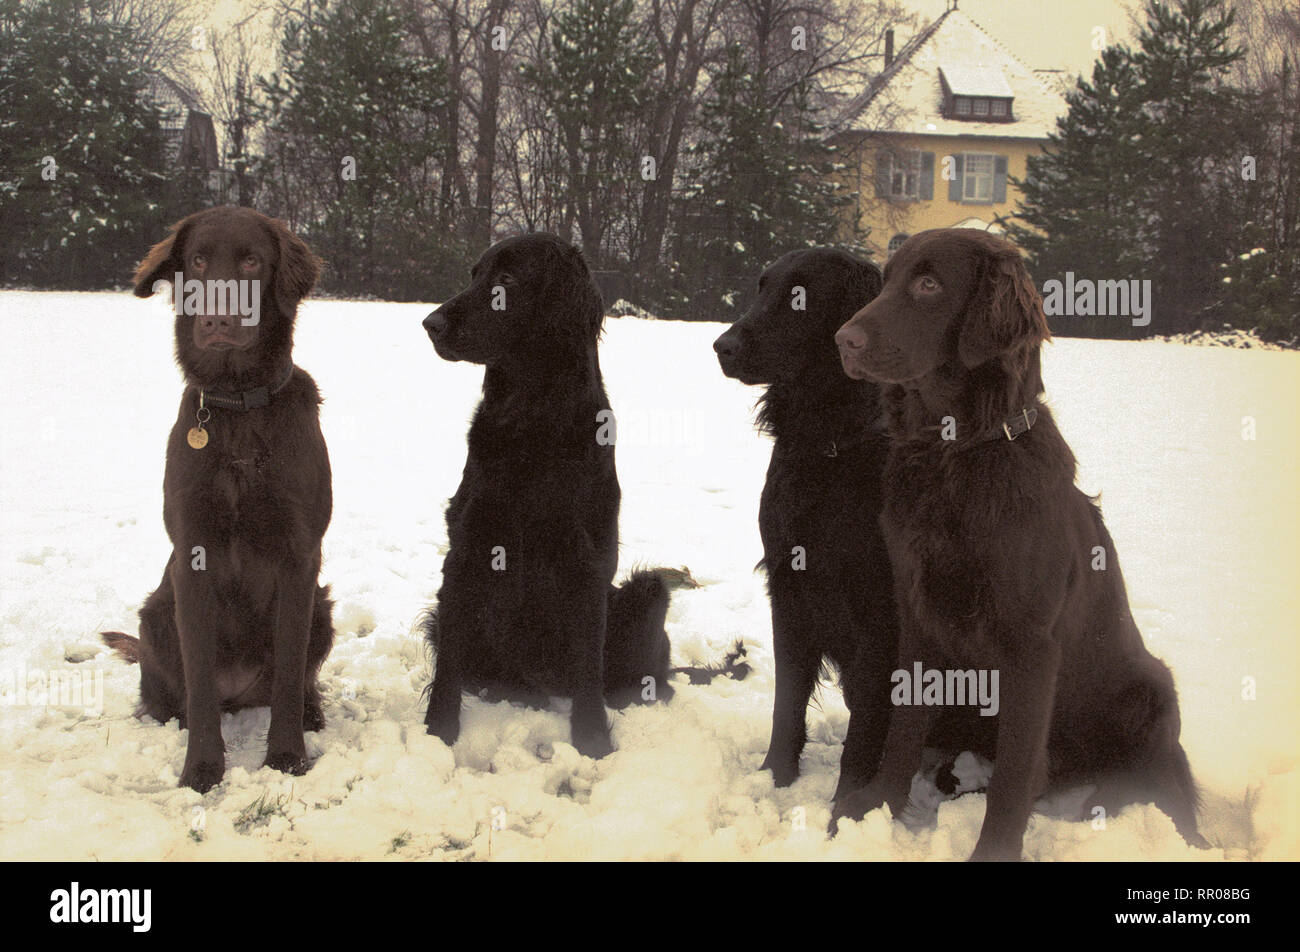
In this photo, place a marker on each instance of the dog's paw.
(202, 775)
(988, 852)
(592, 742)
(294, 764)
(1195, 840)
(783, 774)
(442, 719)
(856, 805)
(446, 729)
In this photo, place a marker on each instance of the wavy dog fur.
(995, 551)
(526, 607)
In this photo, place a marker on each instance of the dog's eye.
(925, 285)
(504, 277)
(199, 262)
(251, 262)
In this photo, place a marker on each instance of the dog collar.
(244, 399)
(1019, 423)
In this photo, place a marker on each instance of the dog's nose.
(728, 345)
(435, 325)
(212, 322)
(851, 337)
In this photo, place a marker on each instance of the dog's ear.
(572, 286)
(297, 270)
(1006, 311)
(164, 260)
(863, 285)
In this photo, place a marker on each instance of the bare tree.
(233, 83)
(168, 32)
(683, 31)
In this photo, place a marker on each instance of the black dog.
(827, 570)
(238, 620)
(526, 605)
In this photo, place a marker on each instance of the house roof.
(955, 49)
(975, 79)
(168, 91)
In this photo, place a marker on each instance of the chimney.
(889, 47)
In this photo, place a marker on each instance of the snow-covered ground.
(1205, 522)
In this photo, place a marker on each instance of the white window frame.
(980, 107)
(961, 101)
(904, 173)
(998, 108)
(971, 181)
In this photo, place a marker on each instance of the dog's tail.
(128, 646)
(636, 644)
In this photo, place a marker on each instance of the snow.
(1204, 520)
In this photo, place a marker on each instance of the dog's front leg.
(1027, 690)
(796, 675)
(449, 625)
(198, 613)
(286, 749)
(585, 637)
(866, 691)
(909, 726)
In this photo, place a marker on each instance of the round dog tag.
(197, 437)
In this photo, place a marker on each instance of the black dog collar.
(245, 399)
(1019, 423)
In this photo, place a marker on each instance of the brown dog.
(1000, 563)
(239, 619)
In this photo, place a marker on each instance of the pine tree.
(81, 150)
(1082, 208)
(594, 87)
(1138, 181)
(760, 183)
(1191, 150)
(353, 135)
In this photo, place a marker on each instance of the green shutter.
(954, 187)
(999, 179)
(927, 176)
(882, 173)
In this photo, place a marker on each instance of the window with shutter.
(999, 179)
(954, 183)
(977, 177)
(900, 173)
(927, 176)
(883, 172)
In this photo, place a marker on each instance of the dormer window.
(976, 93)
(979, 109)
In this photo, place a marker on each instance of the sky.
(1045, 34)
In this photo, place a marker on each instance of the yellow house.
(932, 140)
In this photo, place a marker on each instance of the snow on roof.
(974, 64)
(975, 79)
